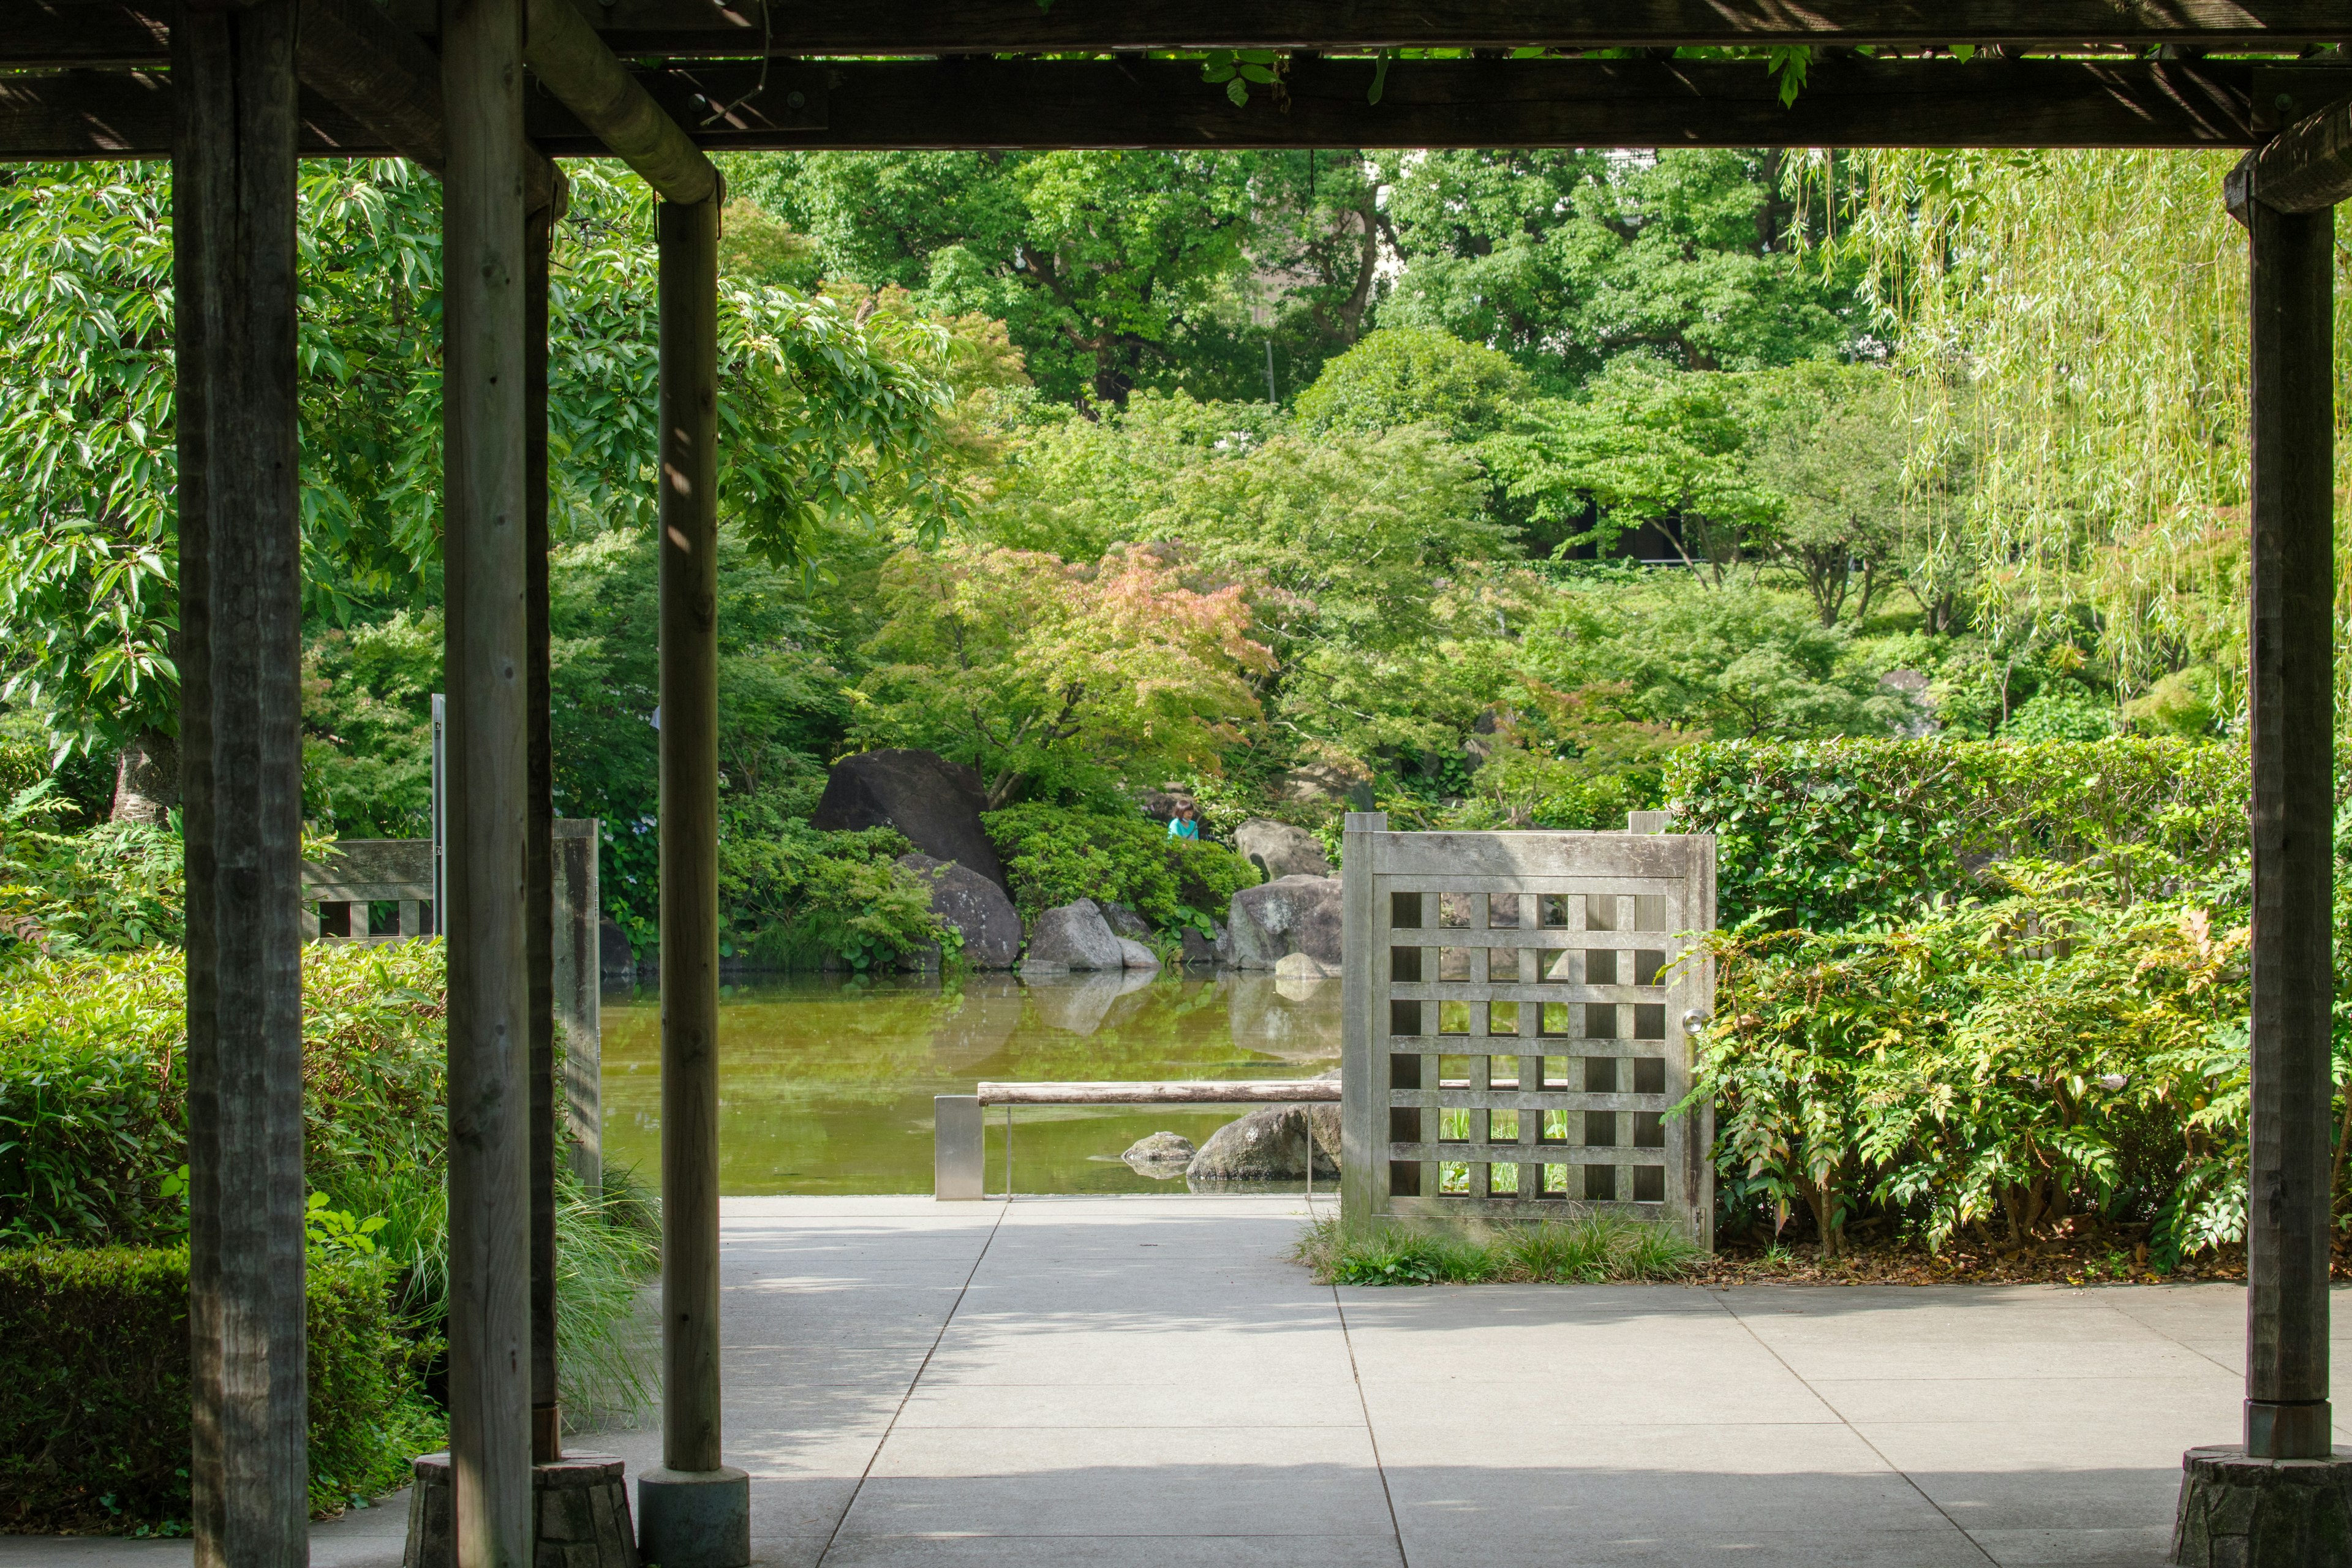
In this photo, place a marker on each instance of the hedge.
(94, 1388)
(1829, 835)
(93, 1083)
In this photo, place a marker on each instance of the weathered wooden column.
(538, 879)
(239, 652)
(485, 493)
(2293, 693)
(2266, 1505)
(694, 1513)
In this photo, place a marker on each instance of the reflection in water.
(826, 1083)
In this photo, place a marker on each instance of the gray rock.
(614, 959)
(934, 803)
(1277, 850)
(1124, 921)
(975, 906)
(1136, 955)
(1270, 1145)
(1159, 1149)
(1073, 936)
(1294, 914)
(1199, 949)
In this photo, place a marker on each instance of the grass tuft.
(1592, 1250)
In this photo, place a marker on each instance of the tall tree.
(1567, 258)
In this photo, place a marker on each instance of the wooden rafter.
(60, 32)
(1431, 104)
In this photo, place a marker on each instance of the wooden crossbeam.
(2308, 168)
(1435, 103)
(56, 34)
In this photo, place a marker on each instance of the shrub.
(797, 895)
(94, 1388)
(116, 887)
(2006, 1064)
(93, 1082)
(1054, 854)
(1824, 834)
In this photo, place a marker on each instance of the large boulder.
(1200, 948)
(934, 803)
(1136, 955)
(1277, 850)
(1270, 1145)
(1073, 936)
(1290, 914)
(975, 906)
(1124, 921)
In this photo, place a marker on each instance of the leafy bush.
(1592, 1249)
(116, 887)
(94, 1388)
(797, 895)
(2011, 1063)
(93, 1082)
(1053, 855)
(1824, 834)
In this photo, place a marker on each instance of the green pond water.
(825, 1082)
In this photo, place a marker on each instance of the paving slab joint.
(2242, 1512)
(693, 1519)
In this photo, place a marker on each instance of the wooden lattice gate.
(1520, 1009)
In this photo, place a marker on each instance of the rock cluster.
(1277, 850)
(975, 906)
(1077, 936)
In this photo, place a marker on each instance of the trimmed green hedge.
(94, 1388)
(1828, 835)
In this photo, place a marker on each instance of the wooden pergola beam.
(61, 33)
(2307, 168)
(572, 62)
(1164, 103)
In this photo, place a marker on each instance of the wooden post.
(486, 494)
(239, 653)
(694, 1514)
(538, 880)
(2292, 692)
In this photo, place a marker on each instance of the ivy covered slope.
(1978, 989)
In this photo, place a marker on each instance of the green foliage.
(1828, 835)
(94, 1389)
(1591, 1250)
(111, 888)
(2054, 1052)
(793, 895)
(1725, 663)
(1054, 854)
(1415, 375)
(1570, 260)
(1049, 675)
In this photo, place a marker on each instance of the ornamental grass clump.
(1590, 1249)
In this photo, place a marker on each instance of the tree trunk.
(147, 778)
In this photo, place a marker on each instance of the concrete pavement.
(1149, 1380)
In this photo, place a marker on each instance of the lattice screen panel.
(1517, 1024)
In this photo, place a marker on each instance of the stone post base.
(2236, 1513)
(694, 1519)
(580, 1515)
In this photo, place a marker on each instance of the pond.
(825, 1081)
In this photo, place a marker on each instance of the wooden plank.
(2309, 167)
(578, 979)
(539, 836)
(486, 502)
(1363, 1063)
(44, 34)
(1471, 103)
(572, 62)
(2291, 697)
(1433, 103)
(239, 652)
(687, 239)
(1182, 1091)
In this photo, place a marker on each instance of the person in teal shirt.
(1183, 824)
